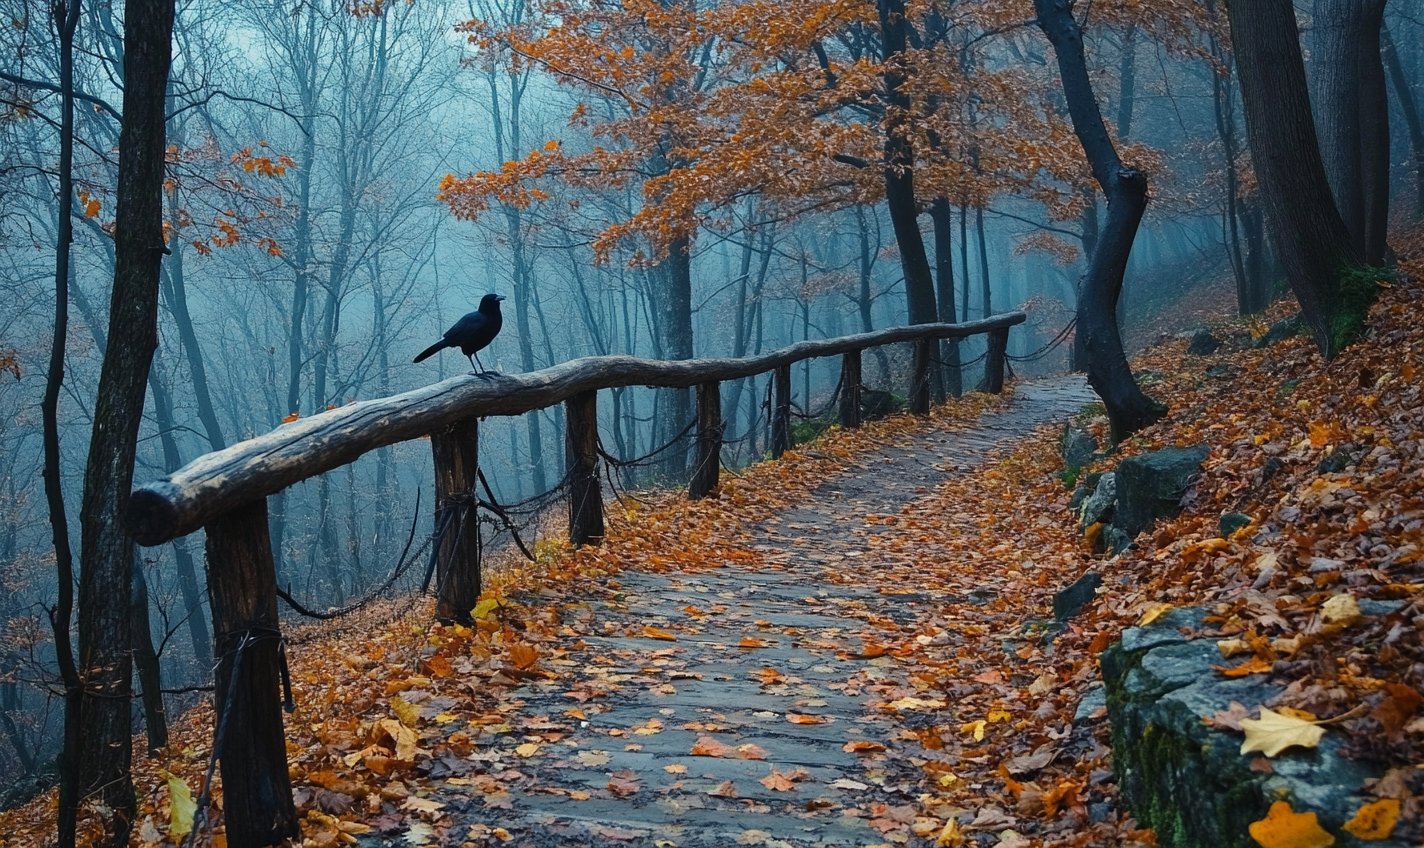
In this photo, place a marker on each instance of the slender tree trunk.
(864, 297)
(1127, 83)
(60, 616)
(676, 408)
(964, 257)
(984, 261)
(183, 558)
(1310, 237)
(1410, 110)
(1374, 136)
(106, 552)
(942, 214)
(1126, 191)
(150, 677)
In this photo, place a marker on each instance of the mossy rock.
(1189, 782)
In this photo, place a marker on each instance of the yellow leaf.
(976, 728)
(1374, 820)
(91, 209)
(1284, 828)
(1152, 614)
(1339, 612)
(405, 711)
(182, 807)
(1272, 733)
(675, 768)
(951, 836)
(998, 715)
(528, 749)
(485, 607)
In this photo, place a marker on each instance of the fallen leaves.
(708, 746)
(1272, 733)
(1284, 828)
(1375, 820)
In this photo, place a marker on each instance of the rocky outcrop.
(1188, 781)
(1150, 486)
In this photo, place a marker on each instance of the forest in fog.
(344, 180)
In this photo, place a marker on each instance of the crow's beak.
(499, 297)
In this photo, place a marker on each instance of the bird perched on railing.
(473, 333)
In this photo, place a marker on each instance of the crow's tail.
(431, 351)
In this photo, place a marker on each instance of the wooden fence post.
(709, 441)
(781, 412)
(994, 360)
(456, 449)
(242, 585)
(850, 389)
(581, 452)
(920, 377)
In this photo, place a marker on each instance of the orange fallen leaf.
(862, 747)
(1255, 665)
(749, 642)
(751, 752)
(777, 782)
(1284, 828)
(523, 655)
(1375, 820)
(706, 746)
(798, 718)
(654, 633)
(725, 789)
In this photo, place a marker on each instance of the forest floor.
(847, 646)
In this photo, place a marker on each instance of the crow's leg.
(476, 358)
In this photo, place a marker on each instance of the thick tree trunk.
(106, 552)
(1351, 117)
(1310, 237)
(1126, 191)
(900, 168)
(1410, 110)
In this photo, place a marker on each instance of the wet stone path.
(763, 722)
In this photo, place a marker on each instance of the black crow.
(472, 333)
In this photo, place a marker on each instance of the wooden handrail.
(219, 482)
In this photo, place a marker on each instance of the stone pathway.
(772, 678)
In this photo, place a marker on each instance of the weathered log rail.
(225, 492)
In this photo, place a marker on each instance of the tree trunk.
(1126, 191)
(1374, 136)
(1410, 110)
(864, 297)
(942, 214)
(1311, 239)
(1350, 114)
(183, 558)
(106, 551)
(900, 167)
(67, 20)
(146, 662)
(676, 407)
